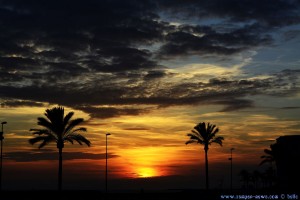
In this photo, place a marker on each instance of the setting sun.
(145, 172)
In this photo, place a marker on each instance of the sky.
(147, 72)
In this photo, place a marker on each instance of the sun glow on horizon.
(145, 172)
(147, 161)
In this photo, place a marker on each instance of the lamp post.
(107, 134)
(1, 138)
(231, 167)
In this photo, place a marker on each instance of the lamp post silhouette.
(107, 134)
(231, 167)
(1, 138)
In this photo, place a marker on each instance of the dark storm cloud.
(272, 14)
(152, 75)
(197, 40)
(91, 54)
(121, 58)
(236, 25)
(108, 112)
(18, 63)
(77, 32)
(29, 156)
(235, 104)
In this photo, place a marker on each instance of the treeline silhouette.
(283, 172)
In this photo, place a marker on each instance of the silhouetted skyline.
(147, 72)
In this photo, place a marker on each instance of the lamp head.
(108, 134)
(232, 149)
(3, 122)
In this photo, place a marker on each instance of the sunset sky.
(147, 72)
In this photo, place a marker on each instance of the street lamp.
(1, 138)
(231, 167)
(107, 134)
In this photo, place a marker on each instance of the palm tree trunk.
(206, 168)
(60, 170)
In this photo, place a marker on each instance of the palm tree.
(268, 158)
(205, 134)
(60, 129)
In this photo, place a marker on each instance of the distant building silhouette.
(287, 158)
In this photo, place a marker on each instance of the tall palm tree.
(60, 129)
(205, 134)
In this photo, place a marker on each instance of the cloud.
(278, 13)
(105, 57)
(290, 107)
(235, 104)
(154, 74)
(136, 129)
(143, 97)
(89, 35)
(29, 156)
(20, 103)
(109, 112)
(204, 40)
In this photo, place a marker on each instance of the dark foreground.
(97, 195)
(149, 195)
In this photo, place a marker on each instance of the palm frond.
(269, 157)
(40, 131)
(55, 115)
(81, 129)
(268, 151)
(217, 140)
(45, 123)
(72, 124)
(265, 161)
(69, 140)
(44, 139)
(44, 132)
(193, 136)
(190, 141)
(195, 132)
(34, 140)
(201, 128)
(215, 131)
(210, 128)
(68, 118)
(78, 138)
(263, 156)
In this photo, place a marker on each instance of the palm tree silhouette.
(60, 129)
(205, 134)
(268, 158)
